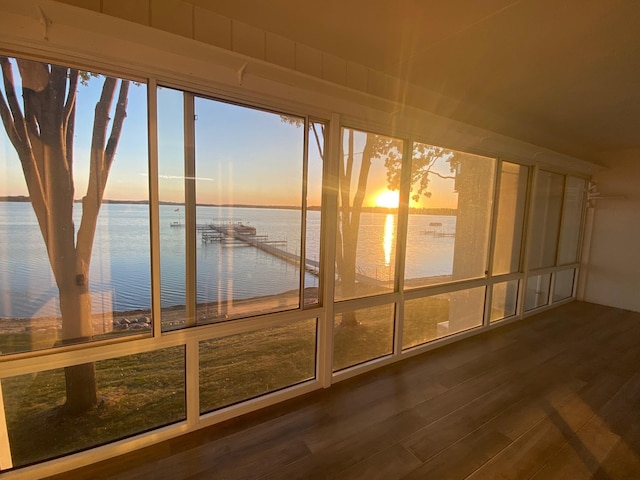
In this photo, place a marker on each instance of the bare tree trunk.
(80, 383)
(350, 223)
(42, 132)
(72, 279)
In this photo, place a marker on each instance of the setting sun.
(388, 199)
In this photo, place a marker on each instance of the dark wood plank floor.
(553, 396)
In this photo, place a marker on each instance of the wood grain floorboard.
(556, 395)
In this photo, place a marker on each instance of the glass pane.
(504, 300)
(510, 218)
(171, 187)
(246, 365)
(362, 335)
(369, 179)
(314, 201)
(545, 225)
(73, 271)
(248, 185)
(563, 286)
(135, 395)
(438, 316)
(537, 293)
(571, 220)
(449, 216)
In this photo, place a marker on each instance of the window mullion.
(190, 206)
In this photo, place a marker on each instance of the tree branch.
(9, 125)
(315, 134)
(14, 123)
(72, 93)
(365, 166)
(98, 170)
(98, 140)
(116, 129)
(445, 177)
(69, 117)
(21, 143)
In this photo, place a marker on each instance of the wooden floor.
(553, 396)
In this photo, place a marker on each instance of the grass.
(134, 395)
(145, 391)
(371, 337)
(243, 366)
(421, 318)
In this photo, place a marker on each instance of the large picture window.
(135, 396)
(512, 197)
(449, 216)
(233, 183)
(571, 220)
(74, 215)
(369, 180)
(545, 223)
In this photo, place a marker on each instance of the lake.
(120, 274)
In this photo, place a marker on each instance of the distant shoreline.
(418, 211)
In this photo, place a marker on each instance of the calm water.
(120, 275)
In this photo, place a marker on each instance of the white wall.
(612, 274)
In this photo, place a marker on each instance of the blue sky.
(128, 178)
(243, 155)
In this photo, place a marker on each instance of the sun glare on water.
(388, 199)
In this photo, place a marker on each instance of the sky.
(243, 155)
(128, 178)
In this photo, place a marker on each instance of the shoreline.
(173, 316)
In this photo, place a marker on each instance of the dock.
(240, 234)
(436, 229)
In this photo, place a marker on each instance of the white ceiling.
(563, 74)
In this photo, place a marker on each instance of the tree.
(42, 132)
(424, 158)
(375, 147)
(384, 148)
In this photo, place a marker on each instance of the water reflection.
(388, 238)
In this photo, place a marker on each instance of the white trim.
(328, 245)
(192, 382)
(154, 209)
(52, 359)
(5, 447)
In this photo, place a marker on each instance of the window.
(537, 292)
(449, 216)
(246, 365)
(510, 218)
(367, 338)
(369, 176)
(74, 229)
(504, 300)
(438, 316)
(563, 284)
(545, 224)
(235, 183)
(571, 220)
(171, 191)
(135, 396)
(315, 167)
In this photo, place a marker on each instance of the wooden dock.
(242, 235)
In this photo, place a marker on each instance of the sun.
(388, 199)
